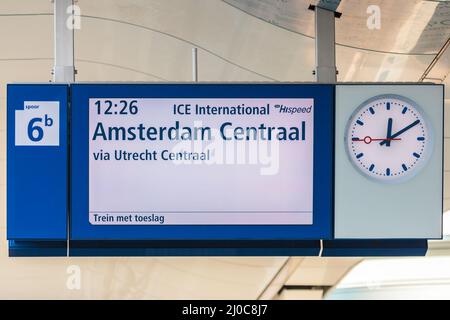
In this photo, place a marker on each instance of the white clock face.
(388, 138)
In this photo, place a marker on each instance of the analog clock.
(388, 138)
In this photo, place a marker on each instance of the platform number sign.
(37, 124)
(389, 139)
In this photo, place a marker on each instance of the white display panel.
(201, 161)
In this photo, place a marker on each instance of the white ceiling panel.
(158, 38)
(136, 278)
(299, 294)
(315, 271)
(407, 26)
(356, 65)
(32, 37)
(25, 6)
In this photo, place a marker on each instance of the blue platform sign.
(37, 162)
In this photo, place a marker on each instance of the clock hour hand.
(389, 133)
(395, 135)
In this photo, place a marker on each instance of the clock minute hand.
(395, 135)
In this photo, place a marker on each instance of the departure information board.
(224, 168)
(205, 160)
(200, 161)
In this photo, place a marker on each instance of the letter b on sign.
(37, 124)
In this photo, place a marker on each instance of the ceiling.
(238, 40)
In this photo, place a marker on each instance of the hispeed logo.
(37, 124)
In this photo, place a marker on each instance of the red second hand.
(368, 139)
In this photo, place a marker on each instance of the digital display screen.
(201, 161)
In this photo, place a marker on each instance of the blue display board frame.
(322, 227)
(37, 176)
(53, 220)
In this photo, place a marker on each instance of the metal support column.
(64, 67)
(326, 71)
(194, 64)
